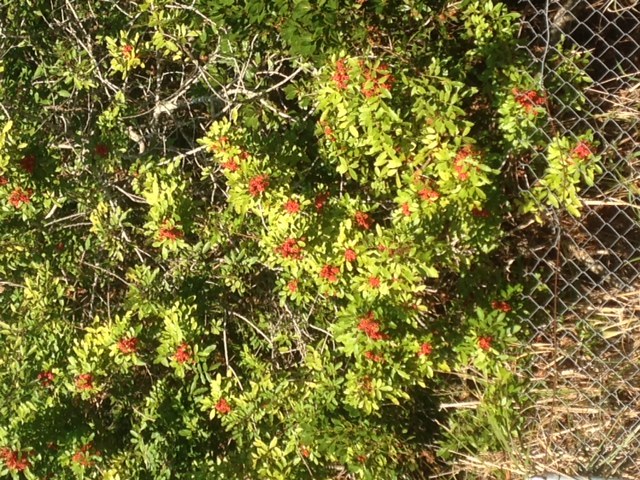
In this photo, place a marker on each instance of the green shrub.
(255, 240)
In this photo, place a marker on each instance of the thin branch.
(103, 270)
(262, 334)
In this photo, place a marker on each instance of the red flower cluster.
(328, 131)
(83, 456)
(330, 273)
(290, 249)
(230, 165)
(582, 150)
(3, 180)
(425, 349)
(374, 282)
(101, 150)
(84, 381)
(321, 200)
(406, 211)
(529, 100)
(258, 185)
(128, 345)
(366, 384)
(375, 80)
(169, 233)
(223, 407)
(371, 328)
(350, 255)
(459, 163)
(428, 194)
(183, 353)
(364, 220)
(46, 378)
(373, 357)
(500, 305)
(127, 51)
(341, 77)
(480, 213)
(13, 460)
(485, 343)
(293, 286)
(28, 164)
(291, 206)
(19, 196)
(304, 451)
(219, 145)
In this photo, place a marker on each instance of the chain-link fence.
(585, 371)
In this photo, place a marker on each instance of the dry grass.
(586, 418)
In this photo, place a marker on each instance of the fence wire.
(584, 417)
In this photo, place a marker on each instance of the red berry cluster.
(480, 213)
(258, 185)
(46, 378)
(219, 145)
(459, 164)
(14, 460)
(223, 407)
(328, 131)
(428, 195)
(291, 206)
(363, 220)
(183, 353)
(231, 165)
(83, 456)
(529, 100)
(330, 273)
(376, 80)
(485, 343)
(290, 249)
(84, 381)
(28, 164)
(373, 357)
(341, 77)
(425, 349)
(167, 232)
(20, 196)
(501, 305)
(350, 255)
(371, 328)
(321, 200)
(127, 51)
(582, 150)
(128, 345)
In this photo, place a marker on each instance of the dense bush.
(260, 239)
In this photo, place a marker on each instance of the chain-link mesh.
(584, 416)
